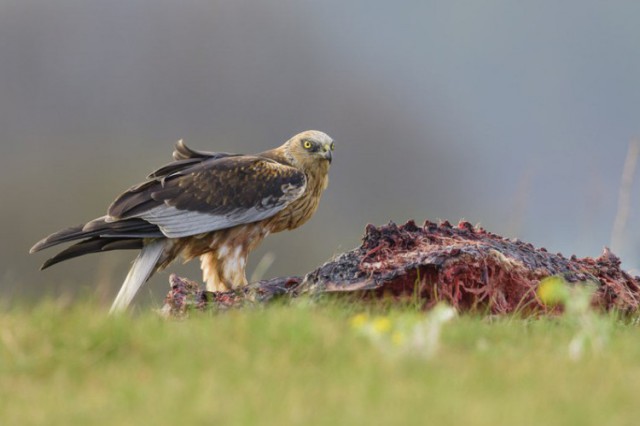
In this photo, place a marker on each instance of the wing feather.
(184, 157)
(215, 193)
(183, 152)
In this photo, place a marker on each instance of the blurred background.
(511, 115)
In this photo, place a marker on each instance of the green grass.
(303, 364)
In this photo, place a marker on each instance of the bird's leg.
(223, 264)
(224, 270)
(209, 266)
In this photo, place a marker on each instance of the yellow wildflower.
(359, 320)
(381, 325)
(553, 291)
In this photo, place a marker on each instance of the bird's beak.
(327, 156)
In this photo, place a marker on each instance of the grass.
(305, 364)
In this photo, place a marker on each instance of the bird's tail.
(143, 267)
(101, 235)
(97, 236)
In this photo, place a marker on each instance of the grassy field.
(305, 363)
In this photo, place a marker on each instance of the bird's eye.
(332, 146)
(307, 144)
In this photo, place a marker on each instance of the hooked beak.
(327, 156)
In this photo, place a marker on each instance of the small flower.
(358, 321)
(553, 291)
(381, 325)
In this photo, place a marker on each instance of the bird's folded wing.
(213, 194)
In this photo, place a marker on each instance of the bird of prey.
(211, 205)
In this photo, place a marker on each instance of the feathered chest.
(301, 210)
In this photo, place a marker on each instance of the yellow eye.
(307, 145)
(332, 146)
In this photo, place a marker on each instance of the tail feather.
(93, 245)
(143, 267)
(104, 234)
(130, 228)
(62, 236)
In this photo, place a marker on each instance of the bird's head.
(310, 150)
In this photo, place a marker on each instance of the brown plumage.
(216, 206)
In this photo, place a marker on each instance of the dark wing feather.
(185, 157)
(136, 198)
(215, 193)
(183, 152)
(173, 167)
